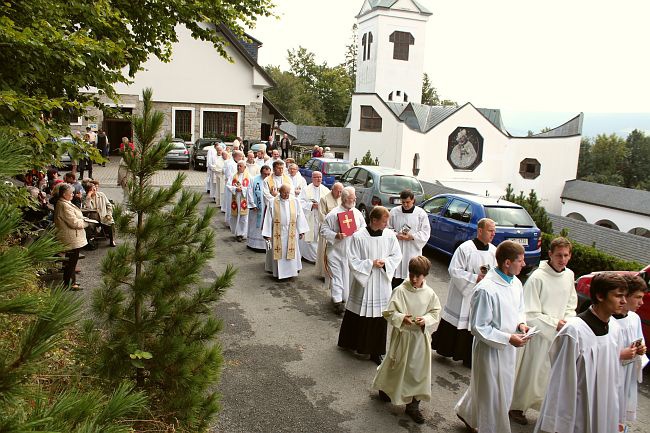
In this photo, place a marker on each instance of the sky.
(540, 62)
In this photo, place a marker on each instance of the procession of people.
(523, 342)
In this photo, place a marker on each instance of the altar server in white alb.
(214, 167)
(412, 228)
(497, 321)
(468, 267)
(239, 186)
(633, 352)
(310, 199)
(582, 393)
(257, 206)
(284, 225)
(374, 255)
(550, 299)
(337, 268)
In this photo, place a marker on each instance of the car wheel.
(364, 212)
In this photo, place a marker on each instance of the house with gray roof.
(336, 138)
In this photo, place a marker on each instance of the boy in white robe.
(284, 224)
(240, 191)
(338, 270)
(550, 299)
(497, 320)
(633, 349)
(411, 225)
(468, 266)
(373, 256)
(310, 198)
(582, 393)
(404, 377)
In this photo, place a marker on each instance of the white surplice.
(337, 252)
(406, 370)
(229, 169)
(549, 297)
(298, 182)
(464, 269)
(370, 287)
(418, 227)
(497, 308)
(308, 196)
(285, 268)
(277, 182)
(631, 372)
(210, 159)
(582, 393)
(239, 222)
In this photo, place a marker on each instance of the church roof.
(568, 129)
(371, 5)
(614, 197)
(310, 135)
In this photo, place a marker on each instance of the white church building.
(466, 147)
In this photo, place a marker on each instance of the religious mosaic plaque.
(465, 148)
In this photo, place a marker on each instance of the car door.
(434, 208)
(452, 226)
(306, 170)
(361, 189)
(348, 176)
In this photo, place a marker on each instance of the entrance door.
(117, 128)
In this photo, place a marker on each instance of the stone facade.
(252, 122)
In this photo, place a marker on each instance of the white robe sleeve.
(464, 280)
(423, 232)
(360, 268)
(302, 226)
(250, 195)
(481, 321)
(327, 231)
(396, 310)
(394, 258)
(533, 304)
(432, 316)
(267, 226)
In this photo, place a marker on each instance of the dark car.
(179, 155)
(200, 151)
(454, 218)
(380, 186)
(583, 286)
(331, 168)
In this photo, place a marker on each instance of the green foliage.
(292, 98)
(586, 259)
(154, 322)
(351, 51)
(533, 206)
(367, 159)
(52, 50)
(430, 94)
(33, 323)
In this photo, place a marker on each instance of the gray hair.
(64, 188)
(292, 165)
(347, 191)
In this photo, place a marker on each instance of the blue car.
(331, 168)
(454, 217)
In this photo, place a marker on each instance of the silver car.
(380, 186)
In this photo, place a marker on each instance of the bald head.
(284, 191)
(337, 190)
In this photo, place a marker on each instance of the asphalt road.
(282, 369)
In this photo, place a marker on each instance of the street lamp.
(416, 164)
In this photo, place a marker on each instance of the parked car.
(179, 155)
(65, 159)
(331, 168)
(454, 218)
(380, 186)
(199, 152)
(583, 285)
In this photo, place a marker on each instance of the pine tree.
(533, 206)
(367, 159)
(154, 322)
(33, 321)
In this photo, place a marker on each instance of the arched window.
(640, 231)
(576, 216)
(607, 224)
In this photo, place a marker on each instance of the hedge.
(586, 259)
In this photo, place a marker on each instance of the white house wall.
(197, 74)
(625, 221)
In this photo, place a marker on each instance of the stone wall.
(253, 122)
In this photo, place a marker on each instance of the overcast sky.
(520, 56)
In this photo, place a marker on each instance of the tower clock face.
(465, 148)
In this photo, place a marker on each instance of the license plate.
(396, 200)
(521, 241)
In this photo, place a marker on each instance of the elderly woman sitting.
(70, 225)
(97, 201)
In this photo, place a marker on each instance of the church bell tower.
(390, 51)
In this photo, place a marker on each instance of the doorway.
(117, 128)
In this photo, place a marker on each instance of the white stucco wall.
(198, 74)
(377, 75)
(625, 221)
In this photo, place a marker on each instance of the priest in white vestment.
(337, 268)
(210, 157)
(411, 225)
(404, 377)
(271, 189)
(257, 206)
(497, 319)
(582, 393)
(468, 266)
(229, 168)
(241, 195)
(550, 299)
(297, 180)
(325, 206)
(373, 256)
(284, 224)
(310, 200)
(251, 165)
(260, 156)
(215, 163)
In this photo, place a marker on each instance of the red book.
(347, 223)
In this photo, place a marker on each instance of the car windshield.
(179, 145)
(396, 184)
(336, 168)
(206, 144)
(509, 216)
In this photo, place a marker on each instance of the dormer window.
(401, 42)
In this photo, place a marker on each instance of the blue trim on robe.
(258, 199)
